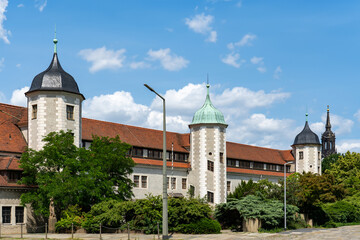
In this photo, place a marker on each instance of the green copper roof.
(208, 113)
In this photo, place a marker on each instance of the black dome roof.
(54, 78)
(306, 136)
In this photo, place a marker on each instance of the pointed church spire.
(328, 125)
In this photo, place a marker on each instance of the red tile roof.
(255, 172)
(136, 136)
(9, 163)
(11, 139)
(257, 154)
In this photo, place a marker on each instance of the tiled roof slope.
(257, 154)
(136, 136)
(11, 138)
(9, 163)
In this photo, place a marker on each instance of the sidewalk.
(346, 233)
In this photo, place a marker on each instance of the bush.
(203, 226)
(341, 212)
(270, 212)
(144, 214)
(71, 216)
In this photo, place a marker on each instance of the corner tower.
(328, 138)
(54, 104)
(307, 151)
(208, 153)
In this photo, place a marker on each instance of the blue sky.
(268, 61)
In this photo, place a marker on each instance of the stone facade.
(51, 116)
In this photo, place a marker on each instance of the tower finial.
(306, 114)
(328, 108)
(55, 41)
(207, 85)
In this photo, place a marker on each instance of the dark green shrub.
(270, 212)
(341, 212)
(203, 226)
(330, 224)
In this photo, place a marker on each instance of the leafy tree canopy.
(347, 171)
(75, 176)
(328, 161)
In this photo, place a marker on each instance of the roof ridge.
(257, 146)
(13, 106)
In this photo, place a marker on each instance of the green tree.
(75, 176)
(328, 161)
(347, 171)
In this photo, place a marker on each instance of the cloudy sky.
(269, 62)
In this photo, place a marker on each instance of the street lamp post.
(165, 197)
(285, 192)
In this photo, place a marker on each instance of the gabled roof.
(136, 136)
(257, 154)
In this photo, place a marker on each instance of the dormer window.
(70, 112)
(34, 111)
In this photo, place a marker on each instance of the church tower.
(207, 177)
(54, 104)
(307, 151)
(328, 138)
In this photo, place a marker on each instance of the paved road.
(346, 233)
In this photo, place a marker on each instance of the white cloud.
(212, 37)
(18, 97)
(170, 62)
(245, 41)
(139, 65)
(201, 23)
(239, 4)
(101, 58)
(3, 32)
(357, 115)
(233, 59)
(277, 72)
(352, 145)
(41, 4)
(256, 60)
(18, 65)
(261, 69)
(120, 107)
(2, 65)
(20, 5)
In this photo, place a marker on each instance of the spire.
(306, 116)
(328, 125)
(55, 41)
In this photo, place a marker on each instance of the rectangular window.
(183, 183)
(145, 153)
(210, 197)
(221, 157)
(144, 181)
(301, 155)
(136, 180)
(319, 155)
(6, 214)
(210, 166)
(258, 165)
(173, 183)
(228, 186)
(34, 111)
(19, 214)
(70, 112)
(192, 191)
(137, 152)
